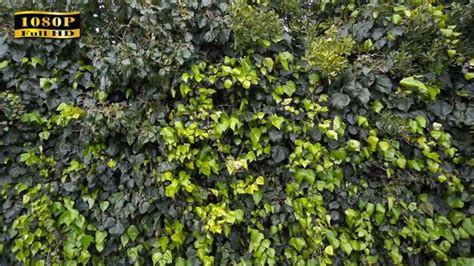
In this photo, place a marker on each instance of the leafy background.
(235, 133)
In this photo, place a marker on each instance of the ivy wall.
(255, 132)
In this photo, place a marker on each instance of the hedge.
(239, 132)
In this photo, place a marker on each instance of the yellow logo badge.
(43, 24)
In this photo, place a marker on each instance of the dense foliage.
(239, 132)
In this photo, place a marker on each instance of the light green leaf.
(305, 174)
(100, 240)
(396, 19)
(298, 243)
(255, 134)
(421, 120)
(384, 145)
(329, 250)
(276, 121)
(401, 162)
(172, 189)
(268, 62)
(3, 64)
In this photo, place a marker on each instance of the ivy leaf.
(329, 250)
(132, 232)
(276, 121)
(401, 162)
(3, 64)
(421, 121)
(284, 58)
(289, 88)
(172, 189)
(201, 21)
(340, 100)
(255, 134)
(279, 153)
(305, 174)
(363, 95)
(298, 243)
(351, 214)
(86, 240)
(468, 225)
(396, 18)
(227, 83)
(268, 62)
(36, 60)
(31, 117)
(384, 145)
(222, 126)
(420, 87)
(379, 213)
(314, 79)
(346, 247)
(383, 83)
(100, 240)
(440, 108)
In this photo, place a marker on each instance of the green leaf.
(346, 247)
(67, 217)
(36, 60)
(172, 189)
(411, 82)
(370, 209)
(246, 84)
(468, 225)
(268, 62)
(255, 134)
(362, 121)
(185, 77)
(314, 79)
(100, 240)
(227, 83)
(283, 57)
(31, 117)
(396, 19)
(421, 121)
(298, 243)
(384, 145)
(112, 163)
(86, 240)
(351, 215)
(339, 154)
(373, 141)
(3, 64)
(377, 106)
(289, 88)
(401, 162)
(467, 76)
(354, 145)
(305, 174)
(331, 134)
(222, 126)
(276, 121)
(132, 232)
(45, 84)
(329, 250)
(104, 205)
(379, 213)
(44, 135)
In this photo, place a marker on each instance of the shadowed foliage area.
(217, 132)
